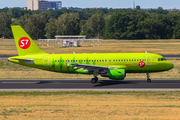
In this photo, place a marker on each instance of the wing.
(93, 68)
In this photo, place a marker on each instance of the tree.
(15, 13)
(51, 28)
(176, 32)
(5, 22)
(138, 7)
(54, 14)
(116, 27)
(68, 24)
(95, 26)
(23, 20)
(35, 24)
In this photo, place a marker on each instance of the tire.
(93, 81)
(149, 80)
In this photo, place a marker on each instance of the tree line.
(94, 23)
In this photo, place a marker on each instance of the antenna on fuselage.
(145, 51)
(74, 52)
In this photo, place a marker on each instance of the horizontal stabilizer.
(28, 61)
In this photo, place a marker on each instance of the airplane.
(114, 66)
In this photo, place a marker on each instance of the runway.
(81, 85)
(166, 56)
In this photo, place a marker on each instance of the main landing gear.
(94, 80)
(148, 78)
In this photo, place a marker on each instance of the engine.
(115, 74)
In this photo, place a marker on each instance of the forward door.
(148, 60)
(46, 61)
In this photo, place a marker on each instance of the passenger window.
(134, 59)
(159, 59)
(137, 59)
(102, 60)
(126, 60)
(121, 60)
(129, 60)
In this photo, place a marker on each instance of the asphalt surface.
(101, 85)
(166, 56)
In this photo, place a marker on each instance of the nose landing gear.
(148, 78)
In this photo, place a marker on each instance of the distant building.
(43, 5)
(55, 5)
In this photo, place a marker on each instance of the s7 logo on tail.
(24, 43)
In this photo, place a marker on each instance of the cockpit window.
(161, 59)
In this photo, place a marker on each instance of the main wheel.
(148, 80)
(94, 80)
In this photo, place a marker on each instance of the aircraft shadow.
(110, 82)
(44, 82)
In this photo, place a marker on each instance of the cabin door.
(148, 60)
(46, 61)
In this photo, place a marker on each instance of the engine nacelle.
(115, 74)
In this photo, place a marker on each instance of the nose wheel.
(148, 78)
(94, 80)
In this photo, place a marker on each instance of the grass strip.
(37, 93)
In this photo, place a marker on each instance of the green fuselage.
(128, 61)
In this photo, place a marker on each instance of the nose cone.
(170, 65)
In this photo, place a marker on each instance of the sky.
(166, 4)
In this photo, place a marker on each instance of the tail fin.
(24, 43)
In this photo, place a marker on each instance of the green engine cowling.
(117, 74)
